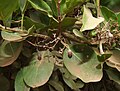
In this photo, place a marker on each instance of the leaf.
(39, 17)
(31, 30)
(118, 18)
(9, 52)
(10, 36)
(69, 5)
(41, 5)
(108, 14)
(19, 82)
(53, 5)
(83, 63)
(79, 34)
(4, 83)
(67, 74)
(39, 71)
(104, 57)
(56, 85)
(72, 84)
(22, 4)
(65, 23)
(113, 61)
(113, 75)
(7, 7)
(29, 22)
(51, 89)
(89, 22)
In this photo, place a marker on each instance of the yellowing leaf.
(89, 22)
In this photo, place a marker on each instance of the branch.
(75, 38)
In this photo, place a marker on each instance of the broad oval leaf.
(114, 60)
(39, 71)
(7, 7)
(9, 36)
(89, 22)
(83, 63)
(9, 52)
(19, 82)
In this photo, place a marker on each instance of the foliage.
(59, 45)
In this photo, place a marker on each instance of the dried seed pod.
(69, 53)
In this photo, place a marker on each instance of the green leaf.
(67, 74)
(4, 83)
(79, 34)
(31, 30)
(108, 14)
(19, 82)
(22, 4)
(83, 63)
(113, 74)
(56, 84)
(39, 71)
(7, 7)
(41, 5)
(89, 22)
(53, 5)
(28, 23)
(66, 23)
(113, 61)
(10, 36)
(72, 84)
(69, 5)
(103, 57)
(9, 52)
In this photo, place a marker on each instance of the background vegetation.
(59, 45)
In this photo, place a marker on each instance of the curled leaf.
(9, 36)
(89, 22)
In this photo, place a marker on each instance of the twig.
(11, 29)
(98, 8)
(58, 33)
(22, 21)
